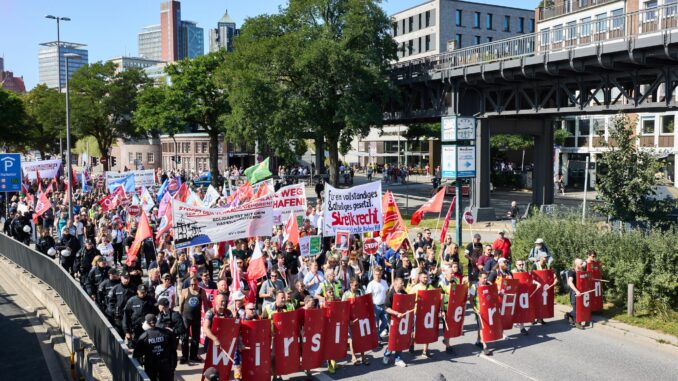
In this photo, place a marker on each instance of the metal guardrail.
(588, 32)
(108, 343)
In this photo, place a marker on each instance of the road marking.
(507, 366)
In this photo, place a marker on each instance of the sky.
(109, 27)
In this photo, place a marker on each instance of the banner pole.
(457, 184)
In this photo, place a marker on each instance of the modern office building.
(192, 40)
(9, 82)
(390, 146)
(150, 43)
(222, 36)
(438, 26)
(52, 68)
(172, 39)
(123, 63)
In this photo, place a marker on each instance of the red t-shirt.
(504, 245)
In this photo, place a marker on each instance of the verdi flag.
(258, 172)
(394, 231)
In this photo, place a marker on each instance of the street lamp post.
(58, 20)
(68, 140)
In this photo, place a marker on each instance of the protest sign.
(314, 246)
(545, 296)
(286, 342)
(357, 209)
(490, 319)
(45, 168)
(289, 199)
(199, 226)
(400, 334)
(142, 178)
(221, 357)
(336, 329)
(305, 246)
(456, 306)
(426, 316)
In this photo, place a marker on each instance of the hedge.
(648, 260)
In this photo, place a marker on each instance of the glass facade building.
(222, 36)
(192, 40)
(52, 69)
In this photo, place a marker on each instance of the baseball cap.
(476, 236)
(539, 240)
(502, 260)
(166, 276)
(502, 231)
(164, 301)
(142, 287)
(124, 274)
(150, 318)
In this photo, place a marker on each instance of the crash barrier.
(106, 339)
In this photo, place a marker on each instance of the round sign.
(134, 210)
(370, 246)
(173, 185)
(468, 217)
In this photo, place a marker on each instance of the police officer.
(105, 287)
(133, 317)
(116, 300)
(156, 349)
(68, 246)
(84, 258)
(170, 319)
(96, 275)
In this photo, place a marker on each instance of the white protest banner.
(356, 209)
(199, 226)
(289, 199)
(47, 168)
(305, 246)
(142, 178)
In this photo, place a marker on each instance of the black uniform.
(45, 243)
(172, 321)
(156, 350)
(102, 294)
(116, 301)
(94, 279)
(69, 242)
(135, 311)
(83, 260)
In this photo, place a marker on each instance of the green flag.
(258, 172)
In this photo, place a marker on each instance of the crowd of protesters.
(162, 291)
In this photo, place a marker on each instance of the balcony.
(559, 8)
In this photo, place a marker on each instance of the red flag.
(545, 296)
(165, 221)
(435, 204)
(456, 305)
(312, 341)
(257, 267)
(222, 357)
(446, 223)
(43, 205)
(256, 350)
(235, 271)
(394, 231)
(286, 342)
(49, 189)
(246, 192)
(490, 319)
(143, 231)
(291, 230)
(182, 193)
(363, 331)
(426, 318)
(262, 191)
(401, 328)
(37, 177)
(106, 202)
(336, 329)
(74, 178)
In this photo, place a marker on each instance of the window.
(521, 24)
(531, 26)
(557, 33)
(648, 126)
(428, 18)
(419, 45)
(395, 29)
(618, 18)
(205, 148)
(601, 22)
(571, 30)
(419, 25)
(140, 156)
(571, 126)
(458, 17)
(584, 127)
(598, 126)
(489, 39)
(507, 23)
(410, 47)
(670, 7)
(586, 26)
(403, 49)
(404, 30)
(457, 40)
(150, 158)
(130, 157)
(476, 20)
(187, 147)
(428, 43)
(545, 33)
(410, 23)
(667, 124)
(477, 38)
(488, 21)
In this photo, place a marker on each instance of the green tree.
(12, 120)
(194, 99)
(511, 142)
(46, 123)
(103, 101)
(321, 67)
(626, 178)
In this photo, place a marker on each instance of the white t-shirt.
(79, 227)
(378, 291)
(170, 294)
(106, 249)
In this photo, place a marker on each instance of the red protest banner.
(509, 294)
(455, 310)
(524, 312)
(490, 319)
(363, 331)
(256, 351)
(584, 284)
(544, 297)
(426, 322)
(312, 332)
(401, 328)
(211, 294)
(226, 329)
(596, 268)
(336, 329)
(286, 342)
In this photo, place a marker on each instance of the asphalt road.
(21, 356)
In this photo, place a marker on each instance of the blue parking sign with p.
(10, 172)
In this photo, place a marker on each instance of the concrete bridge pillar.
(481, 189)
(542, 177)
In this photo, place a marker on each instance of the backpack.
(563, 280)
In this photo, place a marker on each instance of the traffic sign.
(370, 246)
(10, 172)
(458, 161)
(468, 217)
(134, 210)
(456, 128)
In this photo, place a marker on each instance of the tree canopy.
(46, 123)
(315, 71)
